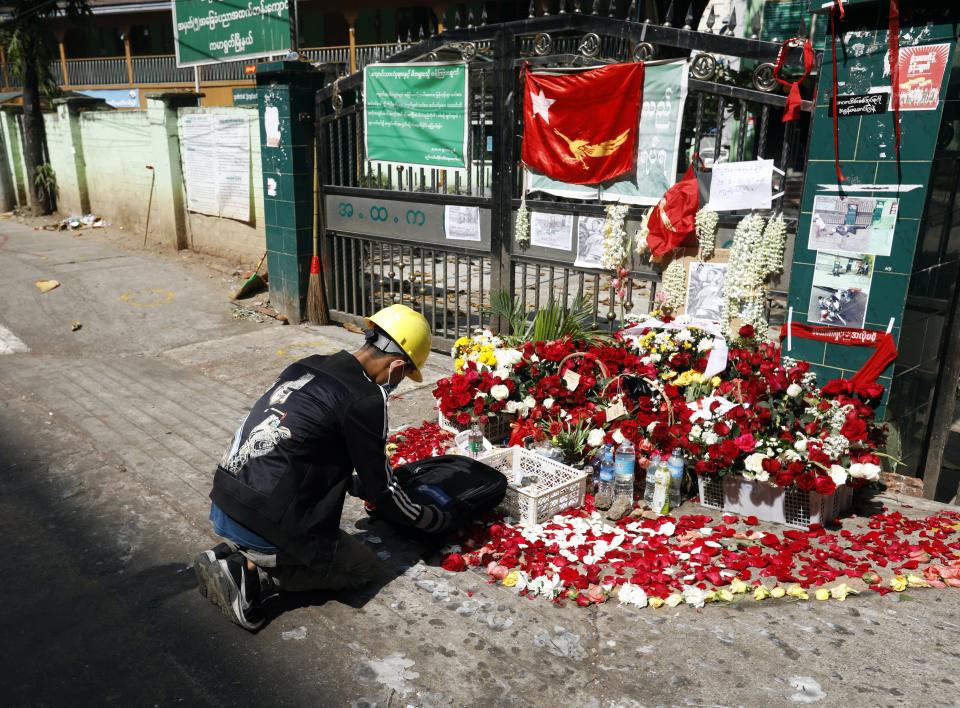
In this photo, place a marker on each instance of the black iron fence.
(368, 265)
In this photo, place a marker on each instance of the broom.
(316, 297)
(254, 284)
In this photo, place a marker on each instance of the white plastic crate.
(792, 507)
(496, 430)
(558, 486)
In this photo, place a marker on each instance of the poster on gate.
(658, 143)
(416, 114)
(921, 76)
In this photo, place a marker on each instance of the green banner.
(664, 93)
(213, 31)
(416, 114)
(245, 97)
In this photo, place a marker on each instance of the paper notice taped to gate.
(741, 185)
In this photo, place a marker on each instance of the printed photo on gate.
(853, 224)
(705, 290)
(841, 289)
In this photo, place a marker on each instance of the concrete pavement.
(108, 439)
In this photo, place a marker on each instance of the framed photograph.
(590, 242)
(705, 289)
(841, 289)
(853, 224)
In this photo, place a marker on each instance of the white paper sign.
(271, 125)
(741, 185)
(590, 242)
(551, 230)
(215, 154)
(461, 223)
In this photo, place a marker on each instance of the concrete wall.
(101, 159)
(226, 237)
(117, 148)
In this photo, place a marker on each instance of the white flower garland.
(640, 238)
(673, 283)
(774, 241)
(746, 271)
(614, 238)
(522, 225)
(706, 225)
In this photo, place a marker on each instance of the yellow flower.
(915, 581)
(674, 599)
(656, 602)
(777, 592)
(725, 595)
(797, 592)
(822, 594)
(898, 583)
(738, 587)
(761, 592)
(687, 345)
(511, 578)
(715, 381)
(841, 591)
(669, 374)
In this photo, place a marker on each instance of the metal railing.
(459, 280)
(162, 68)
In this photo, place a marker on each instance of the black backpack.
(455, 483)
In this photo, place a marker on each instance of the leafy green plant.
(552, 321)
(45, 182)
(572, 442)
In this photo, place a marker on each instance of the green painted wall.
(867, 157)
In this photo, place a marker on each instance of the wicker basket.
(559, 486)
(496, 429)
(791, 507)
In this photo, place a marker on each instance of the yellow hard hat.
(409, 329)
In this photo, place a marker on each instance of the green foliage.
(572, 442)
(552, 321)
(45, 182)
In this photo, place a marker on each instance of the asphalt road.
(108, 440)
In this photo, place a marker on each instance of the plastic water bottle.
(475, 441)
(651, 481)
(595, 465)
(625, 463)
(675, 465)
(605, 486)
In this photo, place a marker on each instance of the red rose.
(463, 418)
(868, 391)
(784, 478)
(832, 388)
(454, 563)
(806, 482)
(746, 442)
(747, 331)
(628, 429)
(854, 430)
(825, 485)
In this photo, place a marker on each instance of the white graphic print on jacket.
(283, 391)
(262, 439)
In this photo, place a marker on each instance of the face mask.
(391, 387)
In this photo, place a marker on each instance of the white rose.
(711, 438)
(513, 406)
(800, 445)
(794, 390)
(501, 373)
(838, 475)
(655, 358)
(529, 402)
(695, 432)
(499, 392)
(754, 462)
(548, 403)
(618, 436)
(762, 476)
(865, 470)
(534, 358)
(595, 438)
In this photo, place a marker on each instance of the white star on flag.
(541, 105)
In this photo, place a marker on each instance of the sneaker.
(230, 587)
(202, 563)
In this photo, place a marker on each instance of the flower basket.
(792, 507)
(496, 429)
(558, 486)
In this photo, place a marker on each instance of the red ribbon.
(833, 101)
(792, 110)
(882, 342)
(893, 42)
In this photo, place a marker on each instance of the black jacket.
(290, 465)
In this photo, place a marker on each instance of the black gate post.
(501, 208)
